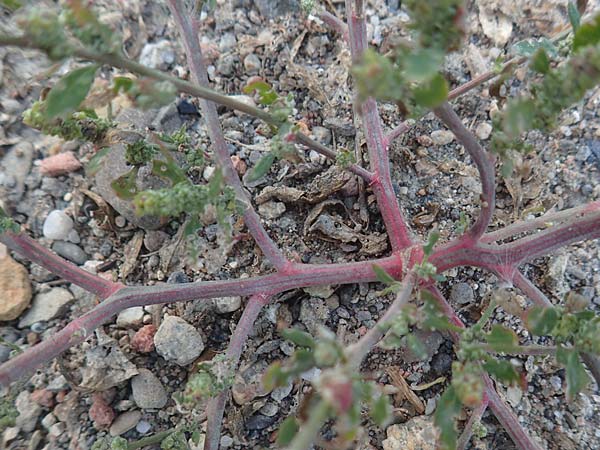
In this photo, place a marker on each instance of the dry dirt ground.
(434, 182)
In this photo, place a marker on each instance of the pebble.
(60, 164)
(147, 390)
(100, 412)
(259, 422)
(252, 63)
(125, 422)
(271, 210)
(48, 420)
(130, 317)
(158, 55)
(143, 340)
(313, 314)
(154, 240)
(483, 131)
(462, 293)
(269, 409)
(29, 411)
(430, 405)
(226, 305)
(322, 135)
(225, 65)
(208, 172)
(280, 393)
(46, 306)
(418, 433)
(442, 137)
(143, 427)
(178, 341)
(316, 158)
(70, 251)
(15, 287)
(226, 441)
(57, 225)
(57, 429)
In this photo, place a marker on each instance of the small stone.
(43, 397)
(239, 165)
(462, 293)
(57, 429)
(147, 390)
(418, 433)
(225, 65)
(226, 441)
(483, 131)
(269, 409)
(316, 158)
(10, 434)
(442, 137)
(143, 427)
(225, 305)
(430, 406)
(120, 221)
(48, 420)
(100, 412)
(130, 317)
(514, 395)
(322, 135)
(208, 172)
(46, 306)
(259, 422)
(252, 63)
(158, 55)
(244, 99)
(57, 225)
(280, 393)
(154, 240)
(178, 341)
(313, 314)
(60, 164)
(15, 287)
(125, 422)
(143, 340)
(70, 251)
(271, 210)
(29, 411)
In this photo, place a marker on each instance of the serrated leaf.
(587, 34)
(381, 411)
(502, 339)
(68, 93)
(502, 370)
(262, 167)
(298, 337)
(574, 16)
(382, 276)
(432, 93)
(541, 321)
(266, 94)
(448, 408)
(125, 186)
(577, 377)
(287, 430)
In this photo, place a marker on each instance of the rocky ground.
(123, 380)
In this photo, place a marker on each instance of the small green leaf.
(528, 47)
(267, 95)
(577, 377)
(574, 16)
(422, 65)
(541, 321)
(7, 224)
(432, 239)
(168, 170)
(448, 408)
(262, 167)
(68, 93)
(382, 276)
(502, 339)
(122, 84)
(381, 411)
(275, 376)
(298, 337)
(540, 62)
(502, 370)
(125, 186)
(587, 34)
(287, 430)
(416, 347)
(432, 93)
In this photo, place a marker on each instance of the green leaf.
(262, 167)
(502, 339)
(125, 186)
(587, 34)
(7, 224)
(528, 47)
(432, 239)
(275, 376)
(540, 62)
(502, 370)
(381, 411)
(448, 408)
(541, 321)
(287, 430)
(416, 347)
(168, 170)
(574, 16)
(298, 337)
(422, 65)
(577, 377)
(122, 84)
(382, 276)
(11, 5)
(432, 93)
(267, 95)
(68, 93)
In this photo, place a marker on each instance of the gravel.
(178, 341)
(147, 390)
(47, 306)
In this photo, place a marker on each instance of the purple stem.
(334, 23)
(485, 164)
(32, 250)
(189, 32)
(476, 416)
(216, 407)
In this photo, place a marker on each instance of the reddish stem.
(32, 250)
(216, 407)
(476, 416)
(189, 33)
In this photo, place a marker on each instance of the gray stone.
(313, 314)
(158, 55)
(225, 65)
(252, 63)
(419, 432)
(442, 137)
(46, 306)
(29, 411)
(130, 317)
(57, 225)
(125, 422)
(143, 427)
(70, 251)
(271, 210)
(322, 134)
(14, 169)
(148, 392)
(154, 240)
(226, 305)
(462, 293)
(178, 341)
(275, 8)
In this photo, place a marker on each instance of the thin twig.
(476, 416)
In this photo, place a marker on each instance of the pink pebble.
(60, 164)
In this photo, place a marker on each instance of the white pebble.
(143, 427)
(57, 225)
